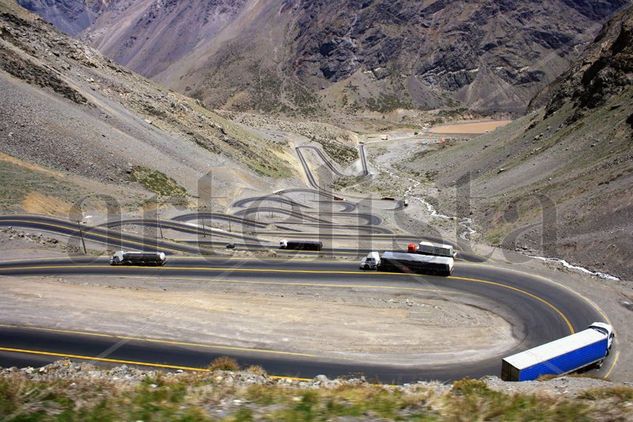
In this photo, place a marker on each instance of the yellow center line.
(533, 296)
(615, 361)
(297, 271)
(547, 280)
(159, 341)
(123, 361)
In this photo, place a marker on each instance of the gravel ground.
(355, 323)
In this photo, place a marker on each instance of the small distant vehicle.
(405, 202)
(138, 258)
(416, 263)
(301, 245)
(428, 248)
(339, 198)
(230, 246)
(387, 198)
(370, 262)
(569, 354)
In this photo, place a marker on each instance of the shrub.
(224, 363)
(257, 370)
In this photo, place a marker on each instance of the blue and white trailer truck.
(562, 356)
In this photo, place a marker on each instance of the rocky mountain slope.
(573, 158)
(312, 56)
(72, 122)
(69, 16)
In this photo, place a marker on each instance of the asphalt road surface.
(545, 310)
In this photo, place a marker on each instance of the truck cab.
(370, 262)
(605, 329)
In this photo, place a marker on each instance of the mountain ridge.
(308, 57)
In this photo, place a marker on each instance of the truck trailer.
(568, 354)
(138, 258)
(428, 248)
(301, 245)
(416, 263)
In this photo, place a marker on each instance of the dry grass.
(38, 203)
(257, 370)
(27, 188)
(224, 363)
(201, 397)
(619, 393)
(30, 166)
(473, 400)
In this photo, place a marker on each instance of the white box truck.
(562, 356)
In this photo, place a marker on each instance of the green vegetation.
(453, 112)
(619, 394)
(347, 181)
(157, 182)
(387, 102)
(337, 151)
(266, 91)
(473, 397)
(305, 100)
(221, 136)
(212, 397)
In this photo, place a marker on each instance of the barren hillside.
(74, 118)
(574, 158)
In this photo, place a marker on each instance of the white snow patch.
(577, 268)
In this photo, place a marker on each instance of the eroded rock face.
(606, 69)
(487, 55)
(69, 16)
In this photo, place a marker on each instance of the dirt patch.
(29, 166)
(338, 323)
(37, 203)
(471, 128)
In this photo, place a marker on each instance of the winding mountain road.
(541, 310)
(545, 310)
